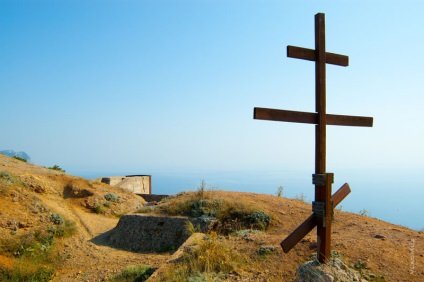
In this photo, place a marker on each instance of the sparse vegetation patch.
(7, 178)
(231, 216)
(57, 219)
(212, 260)
(136, 273)
(112, 198)
(19, 159)
(34, 254)
(58, 168)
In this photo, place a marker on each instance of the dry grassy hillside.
(48, 220)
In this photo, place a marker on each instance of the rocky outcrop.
(335, 270)
(11, 153)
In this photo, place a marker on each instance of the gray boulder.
(333, 271)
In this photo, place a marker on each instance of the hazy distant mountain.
(11, 153)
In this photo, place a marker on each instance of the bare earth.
(392, 251)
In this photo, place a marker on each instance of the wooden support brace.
(300, 232)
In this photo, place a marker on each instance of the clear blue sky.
(160, 85)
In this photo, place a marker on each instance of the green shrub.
(145, 209)
(56, 219)
(64, 230)
(363, 212)
(245, 232)
(99, 209)
(112, 198)
(56, 167)
(266, 250)
(19, 159)
(237, 216)
(301, 197)
(205, 207)
(7, 178)
(136, 273)
(259, 219)
(280, 191)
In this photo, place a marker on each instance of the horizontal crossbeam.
(311, 118)
(310, 55)
(300, 232)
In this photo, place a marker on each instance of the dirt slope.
(29, 194)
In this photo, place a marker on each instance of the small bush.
(266, 250)
(205, 207)
(106, 204)
(300, 197)
(237, 216)
(363, 212)
(56, 167)
(145, 209)
(245, 232)
(56, 219)
(112, 198)
(7, 178)
(64, 230)
(19, 159)
(99, 209)
(280, 191)
(259, 219)
(136, 273)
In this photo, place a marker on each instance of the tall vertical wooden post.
(322, 193)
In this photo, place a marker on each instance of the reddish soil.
(391, 251)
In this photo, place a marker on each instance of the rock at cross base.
(334, 270)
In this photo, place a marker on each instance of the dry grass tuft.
(210, 261)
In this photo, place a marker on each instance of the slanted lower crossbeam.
(311, 222)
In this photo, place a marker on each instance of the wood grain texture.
(310, 55)
(300, 232)
(310, 118)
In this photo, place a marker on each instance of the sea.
(393, 196)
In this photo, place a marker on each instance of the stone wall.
(138, 184)
(152, 197)
(147, 233)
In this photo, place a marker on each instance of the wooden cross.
(324, 203)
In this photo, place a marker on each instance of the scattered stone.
(341, 245)
(38, 188)
(267, 250)
(378, 236)
(22, 225)
(75, 192)
(148, 204)
(248, 239)
(313, 245)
